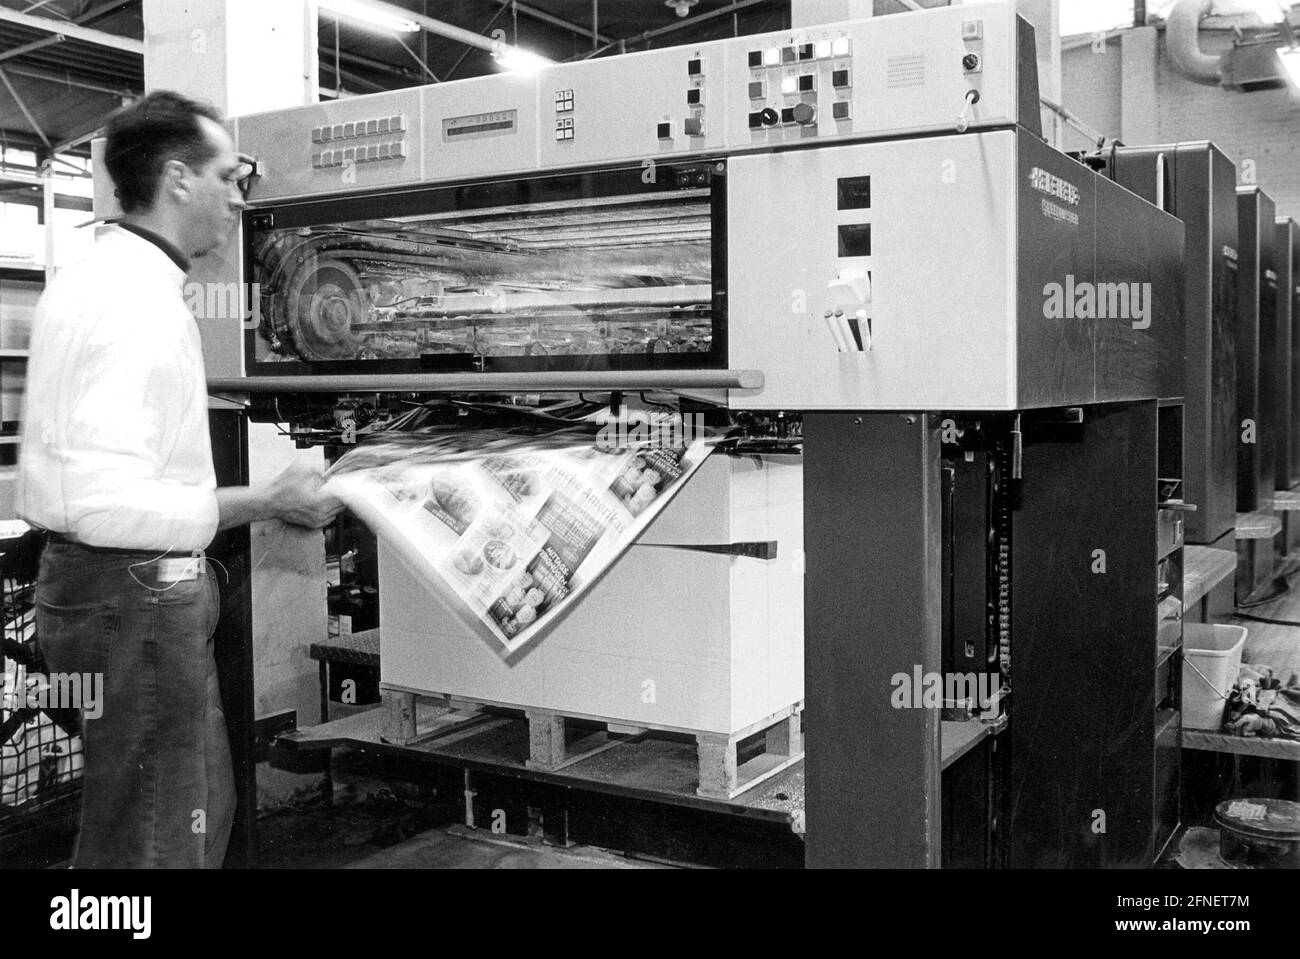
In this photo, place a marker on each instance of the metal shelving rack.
(53, 194)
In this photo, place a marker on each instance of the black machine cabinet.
(1085, 755)
(1055, 580)
(1198, 184)
(1257, 398)
(1286, 260)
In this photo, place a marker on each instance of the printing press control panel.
(944, 70)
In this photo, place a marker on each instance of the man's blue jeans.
(158, 788)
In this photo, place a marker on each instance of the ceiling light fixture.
(518, 60)
(365, 14)
(683, 7)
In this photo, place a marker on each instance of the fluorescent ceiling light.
(363, 13)
(523, 61)
(1290, 57)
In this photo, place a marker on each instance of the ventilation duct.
(1182, 40)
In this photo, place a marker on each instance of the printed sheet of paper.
(511, 529)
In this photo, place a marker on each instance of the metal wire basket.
(41, 755)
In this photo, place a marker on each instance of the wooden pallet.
(556, 740)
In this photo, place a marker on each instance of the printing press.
(955, 357)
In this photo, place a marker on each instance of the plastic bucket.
(1211, 661)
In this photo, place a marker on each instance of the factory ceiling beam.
(379, 66)
(40, 3)
(442, 29)
(73, 32)
(84, 135)
(90, 15)
(31, 120)
(681, 25)
(416, 57)
(354, 78)
(69, 81)
(31, 47)
(486, 27)
(543, 17)
(700, 18)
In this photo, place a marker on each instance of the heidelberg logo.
(1054, 186)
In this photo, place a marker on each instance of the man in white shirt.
(117, 466)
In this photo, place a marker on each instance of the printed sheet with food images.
(510, 528)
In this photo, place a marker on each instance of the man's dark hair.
(145, 136)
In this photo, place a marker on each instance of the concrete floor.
(384, 833)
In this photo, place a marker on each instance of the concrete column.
(1139, 112)
(243, 56)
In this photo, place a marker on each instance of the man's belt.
(62, 539)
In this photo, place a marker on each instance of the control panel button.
(694, 96)
(693, 126)
(755, 58)
(807, 83)
(665, 131)
(805, 51)
(972, 30)
(772, 57)
(788, 55)
(822, 48)
(757, 90)
(769, 117)
(805, 113)
(787, 115)
(372, 128)
(789, 85)
(756, 120)
(971, 63)
(841, 47)
(840, 78)
(695, 68)
(840, 110)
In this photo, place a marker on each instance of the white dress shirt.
(115, 448)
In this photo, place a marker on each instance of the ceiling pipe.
(73, 32)
(1182, 41)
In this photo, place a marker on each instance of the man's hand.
(296, 498)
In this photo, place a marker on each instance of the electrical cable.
(1265, 619)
